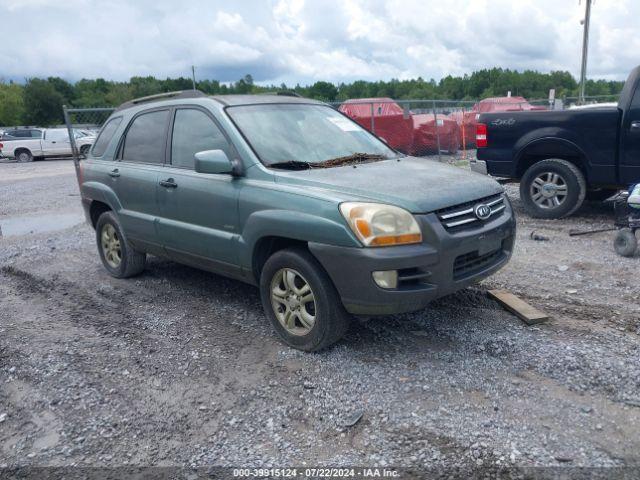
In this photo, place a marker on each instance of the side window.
(107, 133)
(635, 101)
(57, 135)
(36, 133)
(193, 132)
(145, 140)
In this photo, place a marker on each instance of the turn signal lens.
(379, 225)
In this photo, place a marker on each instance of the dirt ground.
(180, 366)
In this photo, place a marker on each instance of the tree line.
(39, 100)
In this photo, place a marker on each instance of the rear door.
(142, 154)
(199, 212)
(55, 142)
(630, 144)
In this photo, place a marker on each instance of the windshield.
(312, 134)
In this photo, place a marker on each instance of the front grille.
(472, 263)
(463, 215)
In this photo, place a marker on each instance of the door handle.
(114, 173)
(635, 125)
(168, 183)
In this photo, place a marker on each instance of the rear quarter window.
(107, 133)
(145, 140)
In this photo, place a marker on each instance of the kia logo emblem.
(482, 211)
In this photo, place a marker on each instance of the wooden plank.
(519, 307)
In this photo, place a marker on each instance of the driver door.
(198, 221)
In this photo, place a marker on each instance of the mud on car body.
(294, 197)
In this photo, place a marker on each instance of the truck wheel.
(24, 156)
(84, 150)
(601, 195)
(552, 188)
(625, 243)
(301, 302)
(117, 255)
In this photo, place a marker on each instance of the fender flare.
(96, 191)
(294, 225)
(559, 146)
(22, 149)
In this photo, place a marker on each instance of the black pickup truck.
(562, 157)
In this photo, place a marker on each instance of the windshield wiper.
(291, 165)
(354, 158)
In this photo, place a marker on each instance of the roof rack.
(162, 96)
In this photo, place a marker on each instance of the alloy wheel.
(293, 301)
(548, 190)
(110, 243)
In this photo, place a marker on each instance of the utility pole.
(585, 48)
(193, 76)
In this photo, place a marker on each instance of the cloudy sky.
(308, 40)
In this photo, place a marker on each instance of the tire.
(552, 188)
(24, 156)
(84, 150)
(601, 195)
(331, 321)
(120, 262)
(625, 243)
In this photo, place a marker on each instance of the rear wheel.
(301, 302)
(24, 156)
(552, 188)
(117, 255)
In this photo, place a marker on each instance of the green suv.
(292, 196)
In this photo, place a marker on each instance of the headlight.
(379, 225)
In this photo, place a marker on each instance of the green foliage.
(39, 101)
(42, 103)
(11, 104)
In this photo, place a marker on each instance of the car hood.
(417, 184)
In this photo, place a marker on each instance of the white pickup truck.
(42, 143)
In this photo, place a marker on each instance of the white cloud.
(306, 40)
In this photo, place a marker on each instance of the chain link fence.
(445, 129)
(442, 129)
(83, 125)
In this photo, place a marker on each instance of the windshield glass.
(304, 133)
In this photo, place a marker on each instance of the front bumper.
(444, 263)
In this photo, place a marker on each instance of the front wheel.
(301, 302)
(552, 188)
(84, 150)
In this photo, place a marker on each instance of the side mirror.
(213, 161)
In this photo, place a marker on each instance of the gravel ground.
(180, 367)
